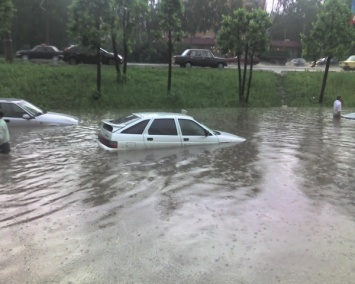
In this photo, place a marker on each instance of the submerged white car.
(158, 129)
(18, 112)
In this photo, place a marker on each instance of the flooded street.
(277, 208)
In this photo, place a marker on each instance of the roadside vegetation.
(65, 87)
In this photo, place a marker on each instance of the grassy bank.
(60, 87)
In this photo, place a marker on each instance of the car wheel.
(220, 66)
(188, 65)
(25, 57)
(72, 61)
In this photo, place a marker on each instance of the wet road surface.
(278, 208)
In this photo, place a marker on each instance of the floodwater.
(277, 208)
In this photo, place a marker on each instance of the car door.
(162, 132)
(196, 58)
(195, 134)
(207, 59)
(13, 115)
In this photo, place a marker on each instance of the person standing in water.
(4, 136)
(337, 107)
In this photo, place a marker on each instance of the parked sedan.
(42, 51)
(234, 60)
(297, 62)
(348, 64)
(75, 54)
(18, 112)
(323, 61)
(199, 57)
(157, 130)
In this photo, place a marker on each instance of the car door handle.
(186, 139)
(150, 139)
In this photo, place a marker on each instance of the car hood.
(53, 118)
(224, 137)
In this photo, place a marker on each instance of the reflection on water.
(279, 207)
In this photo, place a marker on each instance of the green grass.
(65, 87)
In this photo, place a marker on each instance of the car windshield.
(351, 58)
(103, 50)
(30, 108)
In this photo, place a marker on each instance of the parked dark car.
(234, 60)
(297, 62)
(199, 57)
(75, 54)
(42, 51)
(323, 61)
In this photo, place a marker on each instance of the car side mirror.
(26, 116)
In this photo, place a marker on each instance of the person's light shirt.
(337, 107)
(4, 132)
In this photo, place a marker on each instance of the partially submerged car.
(18, 112)
(199, 57)
(234, 60)
(297, 62)
(157, 130)
(323, 61)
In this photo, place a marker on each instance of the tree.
(170, 14)
(7, 11)
(294, 18)
(90, 22)
(244, 33)
(205, 15)
(331, 35)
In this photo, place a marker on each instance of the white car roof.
(150, 115)
(13, 100)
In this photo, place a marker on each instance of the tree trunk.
(9, 56)
(244, 71)
(239, 78)
(117, 63)
(324, 83)
(250, 76)
(170, 51)
(125, 47)
(98, 72)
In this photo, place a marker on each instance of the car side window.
(205, 53)
(11, 110)
(191, 128)
(137, 128)
(164, 126)
(40, 49)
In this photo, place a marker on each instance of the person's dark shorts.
(5, 148)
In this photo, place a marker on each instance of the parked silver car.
(18, 112)
(158, 130)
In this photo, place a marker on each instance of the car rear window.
(137, 128)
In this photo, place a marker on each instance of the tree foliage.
(293, 18)
(331, 35)
(245, 32)
(7, 11)
(170, 14)
(90, 22)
